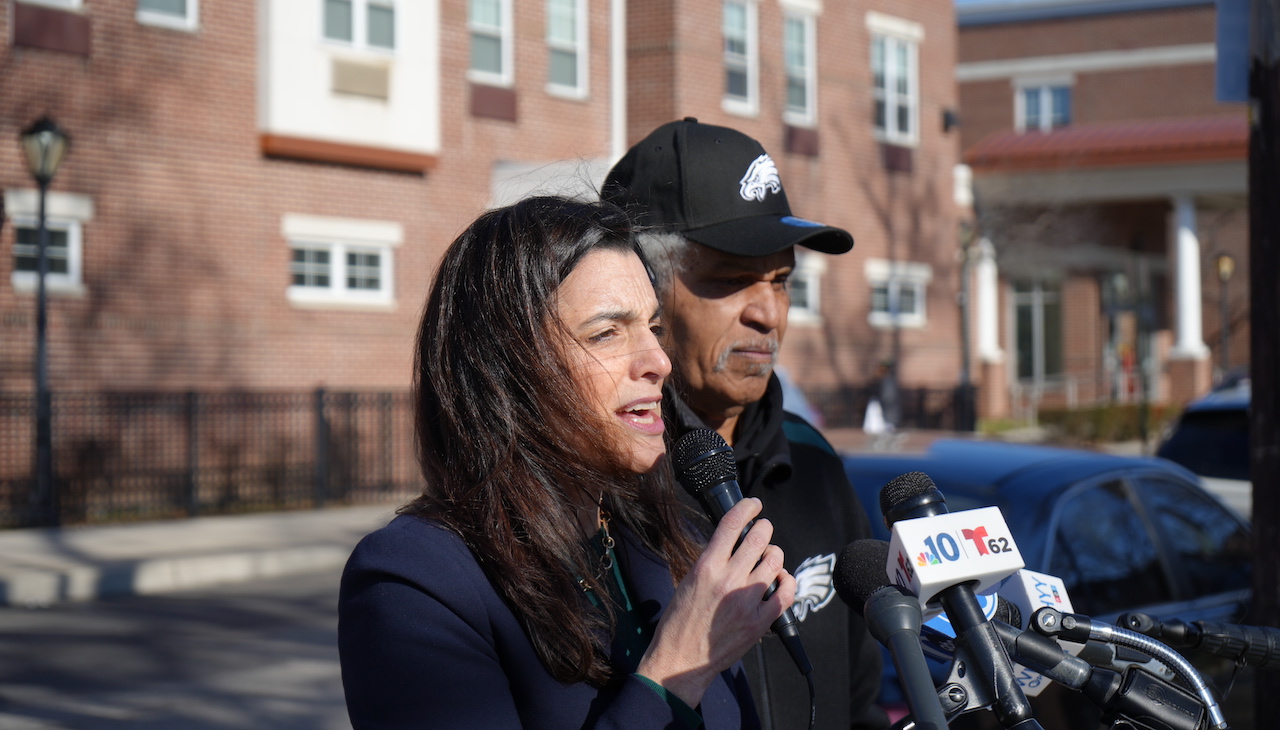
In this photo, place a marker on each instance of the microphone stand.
(980, 653)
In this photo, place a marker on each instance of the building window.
(362, 23)
(179, 14)
(895, 75)
(63, 254)
(65, 215)
(740, 56)
(1038, 329)
(805, 287)
(567, 47)
(898, 293)
(1043, 107)
(489, 22)
(798, 52)
(335, 261)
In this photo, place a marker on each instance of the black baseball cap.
(718, 187)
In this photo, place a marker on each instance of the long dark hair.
(508, 442)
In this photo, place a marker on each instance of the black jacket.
(786, 463)
(426, 641)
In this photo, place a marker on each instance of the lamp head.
(44, 145)
(1226, 266)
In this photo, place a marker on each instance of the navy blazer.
(426, 641)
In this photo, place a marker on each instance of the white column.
(617, 80)
(986, 302)
(1189, 336)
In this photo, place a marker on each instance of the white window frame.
(189, 22)
(63, 212)
(1045, 85)
(809, 268)
(896, 276)
(360, 27)
(59, 4)
(578, 47)
(505, 36)
(897, 33)
(340, 236)
(749, 106)
(808, 116)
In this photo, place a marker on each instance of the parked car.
(1211, 438)
(1124, 534)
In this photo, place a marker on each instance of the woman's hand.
(717, 612)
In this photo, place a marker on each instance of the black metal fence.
(951, 409)
(121, 457)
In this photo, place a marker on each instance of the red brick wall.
(1104, 32)
(906, 216)
(1144, 93)
(185, 267)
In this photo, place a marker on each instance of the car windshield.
(1211, 443)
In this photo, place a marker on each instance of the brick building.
(257, 192)
(1108, 183)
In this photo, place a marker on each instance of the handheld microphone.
(893, 618)
(704, 467)
(925, 533)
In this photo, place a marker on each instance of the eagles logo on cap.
(718, 187)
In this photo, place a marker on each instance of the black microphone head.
(860, 571)
(1008, 613)
(911, 495)
(702, 459)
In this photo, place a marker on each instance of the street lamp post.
(1226, 266)
(44, 146)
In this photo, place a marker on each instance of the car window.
(1210, 548)
(1211, 443)
(1103, 552)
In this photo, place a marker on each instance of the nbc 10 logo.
(969, 543)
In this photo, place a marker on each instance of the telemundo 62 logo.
(944, 546)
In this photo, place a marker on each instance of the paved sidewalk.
(45, 565)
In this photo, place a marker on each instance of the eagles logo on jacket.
(795, 472)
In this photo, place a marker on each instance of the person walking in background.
(546, 576)
(719, 232)
(884, 406)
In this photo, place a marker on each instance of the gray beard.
(754, 370)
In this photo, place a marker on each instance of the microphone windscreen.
(860, 571)
(909, 485)
(702, 459)
(1008, 612)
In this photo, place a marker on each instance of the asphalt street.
(250, 655)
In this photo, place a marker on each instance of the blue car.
(1211, 438)
(1124, 533)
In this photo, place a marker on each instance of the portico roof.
(1142, 143)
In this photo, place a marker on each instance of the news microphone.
(947, 556)
(1254, 646)
(932, 549)
(1031, 591)
(704, 466)
(893, 618)
(1080, 628)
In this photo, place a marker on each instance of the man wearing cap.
(721, 240)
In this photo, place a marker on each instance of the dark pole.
(1264, 322)
(966, 407)
(1224, 315)
(44, 401)
(44, 145)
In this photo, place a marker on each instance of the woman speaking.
(545, 578)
